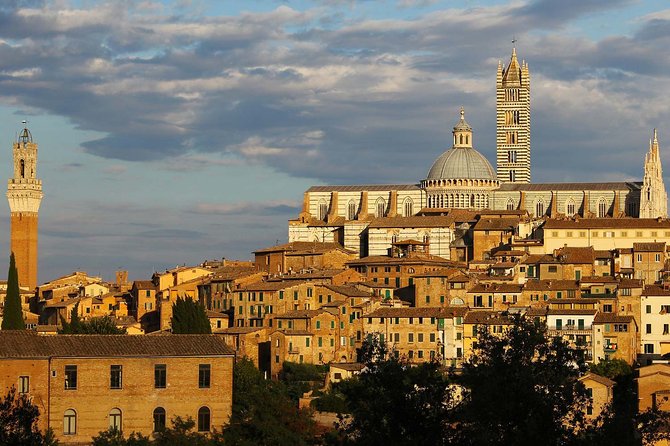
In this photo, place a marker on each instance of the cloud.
(248, 208)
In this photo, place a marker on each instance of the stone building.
(24, 193)
(462, 178)
(86, 384)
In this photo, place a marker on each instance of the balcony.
(610, 348)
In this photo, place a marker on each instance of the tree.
(394, 403)
(189, 317)
(18, 422)
(263, 413)
(114, 437)
(104, 325)
(12, 318)
(523, 388)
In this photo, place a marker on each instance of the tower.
(24, 193)
(653, 197)
(513, 122)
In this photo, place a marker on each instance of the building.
(24, 193)
(84, 384)
(513, 121)
(463, 178)
(601, 393)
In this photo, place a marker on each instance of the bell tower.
(513, 121)
(24, 193)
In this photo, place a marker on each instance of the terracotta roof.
(536, 311)
(550, 285)
(438, 312)
(496, 224)
(631, 283)
(573, 300)
(655, 290)
(232, 272)
(577, 187)
(513, 253)
(504, 265)
(439, 272)
(603, 254)
(144, 285)
(23, 344)
(571, 254)
(649, 247)
(295, 332)
(371, 284)
(240, 330)
(539, 258)
(364, 187)
(484, 317)
(611, 318)
(215, 314)
(599, 379)
(309, 275)
(314, 247)
(607, 223)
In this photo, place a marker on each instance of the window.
(380, 207)
(351, 210)
(570, 208)
(115, 377)
(203, 419)
(204, 375)
(648, 309)
(160, 376)
(70, 422)
(70, 377)
(648, 329)
(115, 419)
(539, 208)
(408, 207)
(602, 208)
(159, 419)
(24, 384)
(553, 269)
(658, 257)
(649, 349)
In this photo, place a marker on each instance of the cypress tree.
(12, 318)
(189, 316)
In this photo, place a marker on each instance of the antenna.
(514, 40)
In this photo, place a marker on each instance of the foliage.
(330, 401)
(393, 403)
(189, 317)
(182, 433)
(12, 318)
(263, 414)
(523, 388)
(104, 325)
(301, 378)
(113, 437)
(612, 368)
(18, 422)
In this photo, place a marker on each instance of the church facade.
(463, 179)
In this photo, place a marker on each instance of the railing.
(570, 328)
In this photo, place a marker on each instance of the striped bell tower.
(24, 193)
(513, 121)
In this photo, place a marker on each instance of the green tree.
(263, 414)
(522, 388)
(189, 317)
(104, 325)
(393, 403)
(18, 422)
(114, 437)
(12, 317)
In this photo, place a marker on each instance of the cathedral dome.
(461, 163)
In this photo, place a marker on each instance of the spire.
(512, 75)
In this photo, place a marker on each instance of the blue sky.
(172, 132)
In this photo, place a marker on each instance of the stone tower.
(24, 193)
(513, 121)
(653, 197)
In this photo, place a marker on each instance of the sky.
(171, 132)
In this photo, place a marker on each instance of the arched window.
(457, 301)
(510, 205)
(23, 169)
(472, 201)
(323, 209)
(539, 208)
(602, 208)
(115, 419)
(351, 210)
(408, 207)
(204, 419)
(570, 208)
(380, 207)
(70, 422)
(159, 419)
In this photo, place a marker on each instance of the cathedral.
(365, 218)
